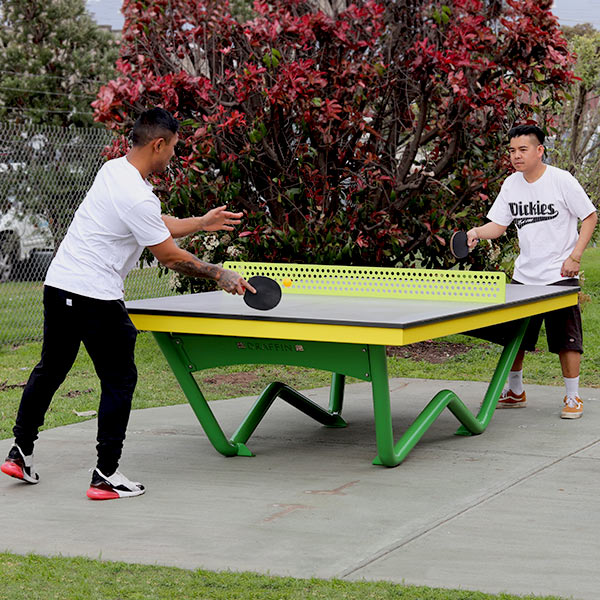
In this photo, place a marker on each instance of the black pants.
(109, 336)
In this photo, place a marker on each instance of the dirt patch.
(4, 385)
(75, 393)
(430, 351)
(238, 379)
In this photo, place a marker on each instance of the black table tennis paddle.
(268, 293)
(459, 245)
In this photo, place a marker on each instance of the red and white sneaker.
(19, 466)
(508, 399)
(115, 486)
(573, 408)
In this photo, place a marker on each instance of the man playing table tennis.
(544, 203)
(83, 297)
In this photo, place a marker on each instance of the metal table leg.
(390, 454)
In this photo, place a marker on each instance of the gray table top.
(340, 310)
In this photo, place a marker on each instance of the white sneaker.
(115, 486)
(19, 466)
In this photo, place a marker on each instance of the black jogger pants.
(109, 336)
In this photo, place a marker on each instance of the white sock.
(515, 381)
(572, 386)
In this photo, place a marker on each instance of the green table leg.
(183, 372)
(492, 395)
(382, 411)
(187, 353)
(291, 396)
(391, 455)
(336, 393)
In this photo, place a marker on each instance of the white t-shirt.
(545, 213)
(119, 216)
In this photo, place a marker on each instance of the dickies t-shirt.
(119, 216)
(545, 213)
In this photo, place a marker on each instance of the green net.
(380, 282)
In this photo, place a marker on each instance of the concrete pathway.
(516, 509)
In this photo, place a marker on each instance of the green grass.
(157, 385)
(32, 577)
(21, 311)
(148, 282)
(38, 578)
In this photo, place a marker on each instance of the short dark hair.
(520, 130)
(152, 124)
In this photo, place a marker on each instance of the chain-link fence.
(45, 173)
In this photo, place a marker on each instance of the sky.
(569, 12)
(106, 12)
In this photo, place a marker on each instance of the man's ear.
(158, 144)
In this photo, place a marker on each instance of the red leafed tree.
(357, 132)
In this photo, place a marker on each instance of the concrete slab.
(511, 510)
(536, 537)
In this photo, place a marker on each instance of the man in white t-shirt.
(83, 297)
(545, 203)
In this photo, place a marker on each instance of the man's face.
(164, 151)
(526, 153)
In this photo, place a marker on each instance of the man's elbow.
(167, 262)
(168, 259)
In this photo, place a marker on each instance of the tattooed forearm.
(230, 281)
(197, 268)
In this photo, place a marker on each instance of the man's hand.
(219, 219)
(570, 268)
(489, 231)
(472, 237)
(233, 283)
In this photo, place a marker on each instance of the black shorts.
(563, 328)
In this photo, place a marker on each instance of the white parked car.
(26, 245)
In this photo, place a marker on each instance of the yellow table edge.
(350, 334)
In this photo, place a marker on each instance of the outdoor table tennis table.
(344, 335)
